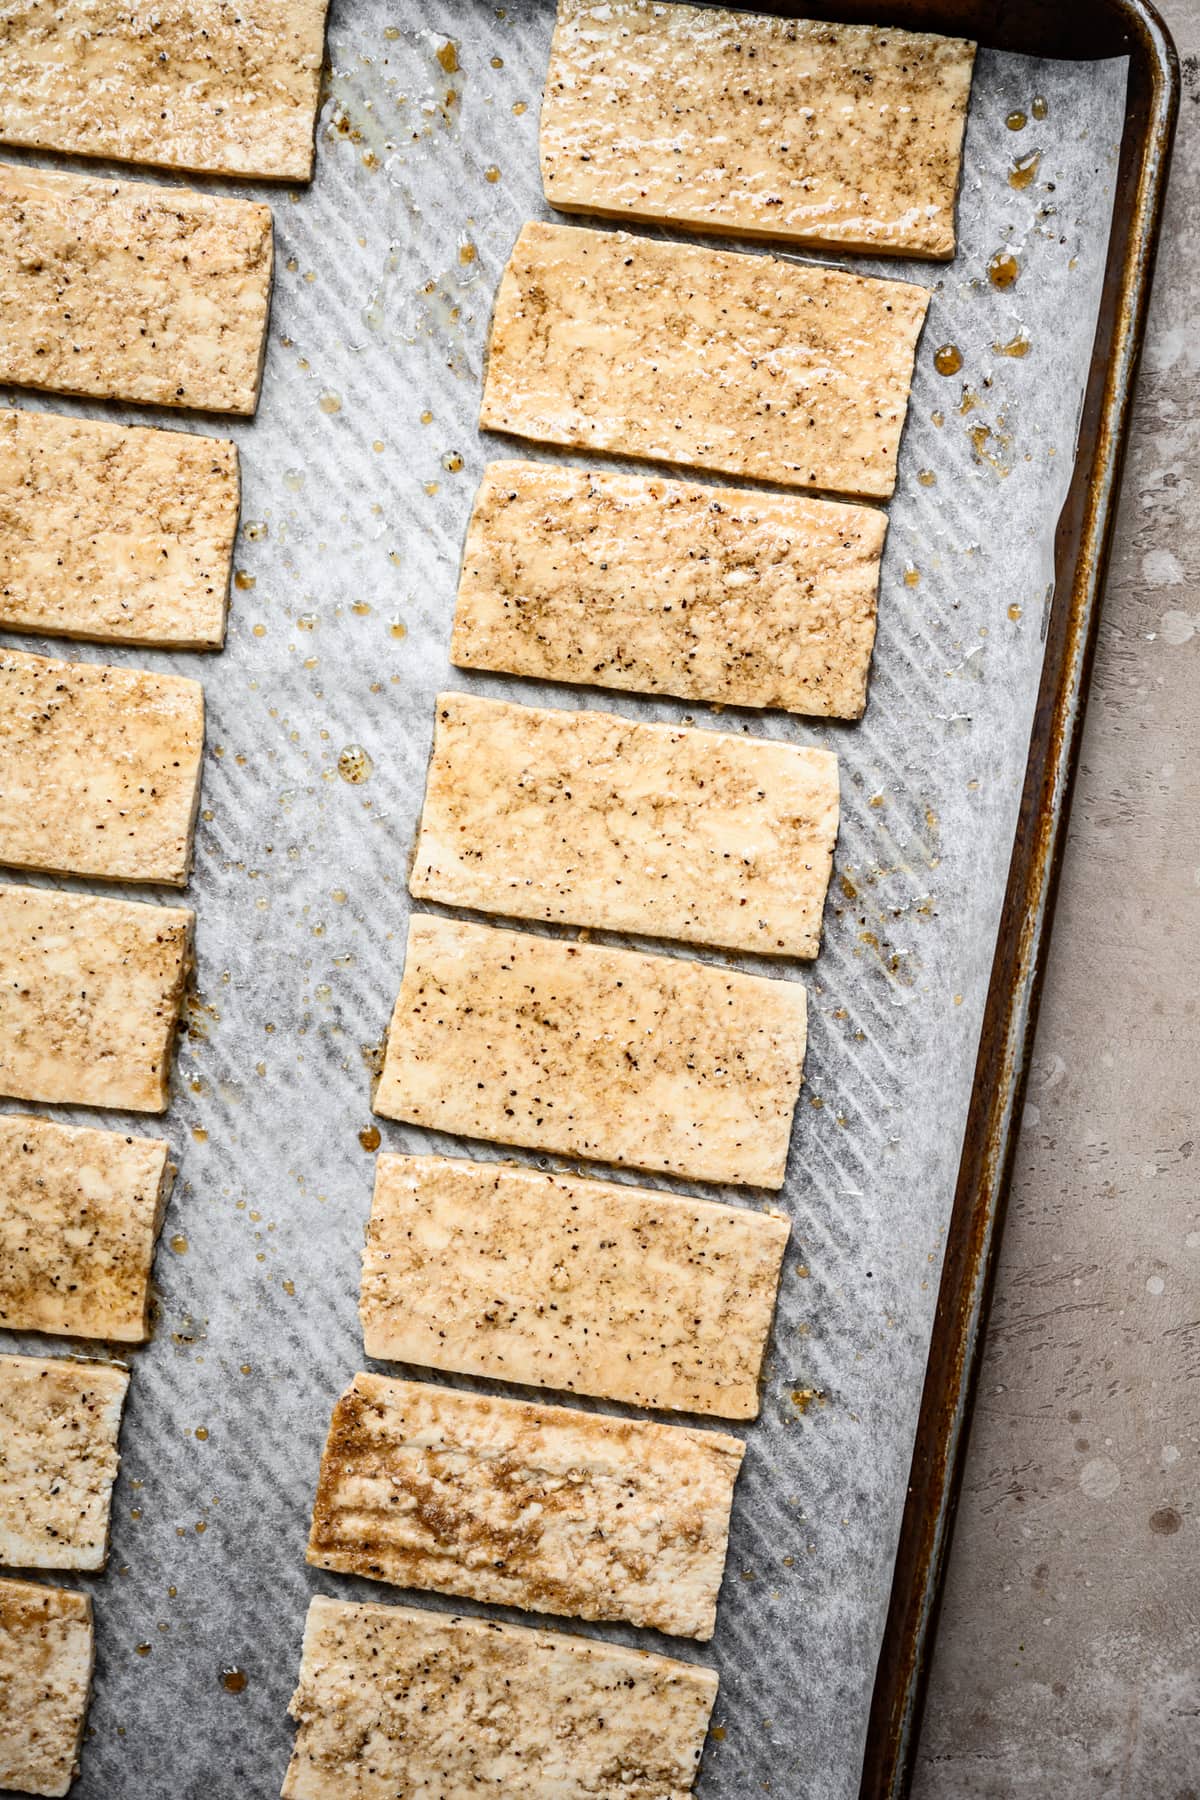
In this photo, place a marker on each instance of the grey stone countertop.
(1068, 1662)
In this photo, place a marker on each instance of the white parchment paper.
(358, 477)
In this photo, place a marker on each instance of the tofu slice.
(393, 1701)
(90, 994)
(124, 291)
(669, 587)
(652, 1061)
(59, 1423)
(46, 1655)
(532, 1506)
(651, 1298)
(115, 532)
(847, 137)
(80, 1212)
(99, 769)
(230, 91)
(786, 372)
(585, 818)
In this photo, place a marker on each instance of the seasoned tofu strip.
(80, 1211)
(785, 372)
(203, 85)
(90, 994)
(584, 818)
(395, 1701)
(125, 291)
(654, 1061)
(842, 136)
(115, 532)
(59, 1423)
(46, 1657)
(656, 1299)
(99, 769)
(532, 1506)
(668, 587)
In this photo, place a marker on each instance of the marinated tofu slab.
(652, 1061)
(80, 1211)
(847, 137)
(785, 372)
(115, 532)
(99, 769)
(395, 1701)
(669, 587)
(585, 818)
(59, 1423)
(90, 993)
(556, 1282)
(124, 291)
(532, 1506)
(230, 90)
(46, 1657)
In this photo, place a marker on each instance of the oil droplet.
(291, 265)
(947, 359)
(199, 1133)
(491, 173)
(289, 1288)
(259, 631)
(452, 462)
(926, 477)
(448, 56)
(938, 417)
(141, 1649)
(1003, 269)
(1039, 109)
(179, 1244)
(256, 529)
(361, 608)
(467, 253)
(233, 1680)
(397, 628)
(330, 402)
(307, 622)
(1014, 612)
(519, 107)
(1024, 169)
(427, 417)
(243, 581)
(717, 1733)
(378, 446)
(354, 765)
(1017, 345)
(912, 578)
(369, 1137)
(431, 488)
(497, 62)
(246, 1368)
(1016, 121)
(202, 1433)
(171, 1592)
(201, 1527)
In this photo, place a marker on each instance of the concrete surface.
(1068, 1665)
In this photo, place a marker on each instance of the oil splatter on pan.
(358, 475)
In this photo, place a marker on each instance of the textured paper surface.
(330, 525)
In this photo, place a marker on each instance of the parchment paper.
(358, 477)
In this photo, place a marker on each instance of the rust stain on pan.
(1090, 28)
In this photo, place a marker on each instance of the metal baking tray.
(357, 479)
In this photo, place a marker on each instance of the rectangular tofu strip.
(550, 1280)
(59, 1423)
(785, 372)
(208, 86)
(847, 137)
(653, 1061)
(585, 818)
(115, 532)
(668, 587)
(99, 769)
(532, 1506)
(80, 1211)
(46, 1657)
(90, 995)
(393, 1701)
(124, 291)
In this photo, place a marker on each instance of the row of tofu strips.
(844, 137)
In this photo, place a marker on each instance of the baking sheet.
(354, 507)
